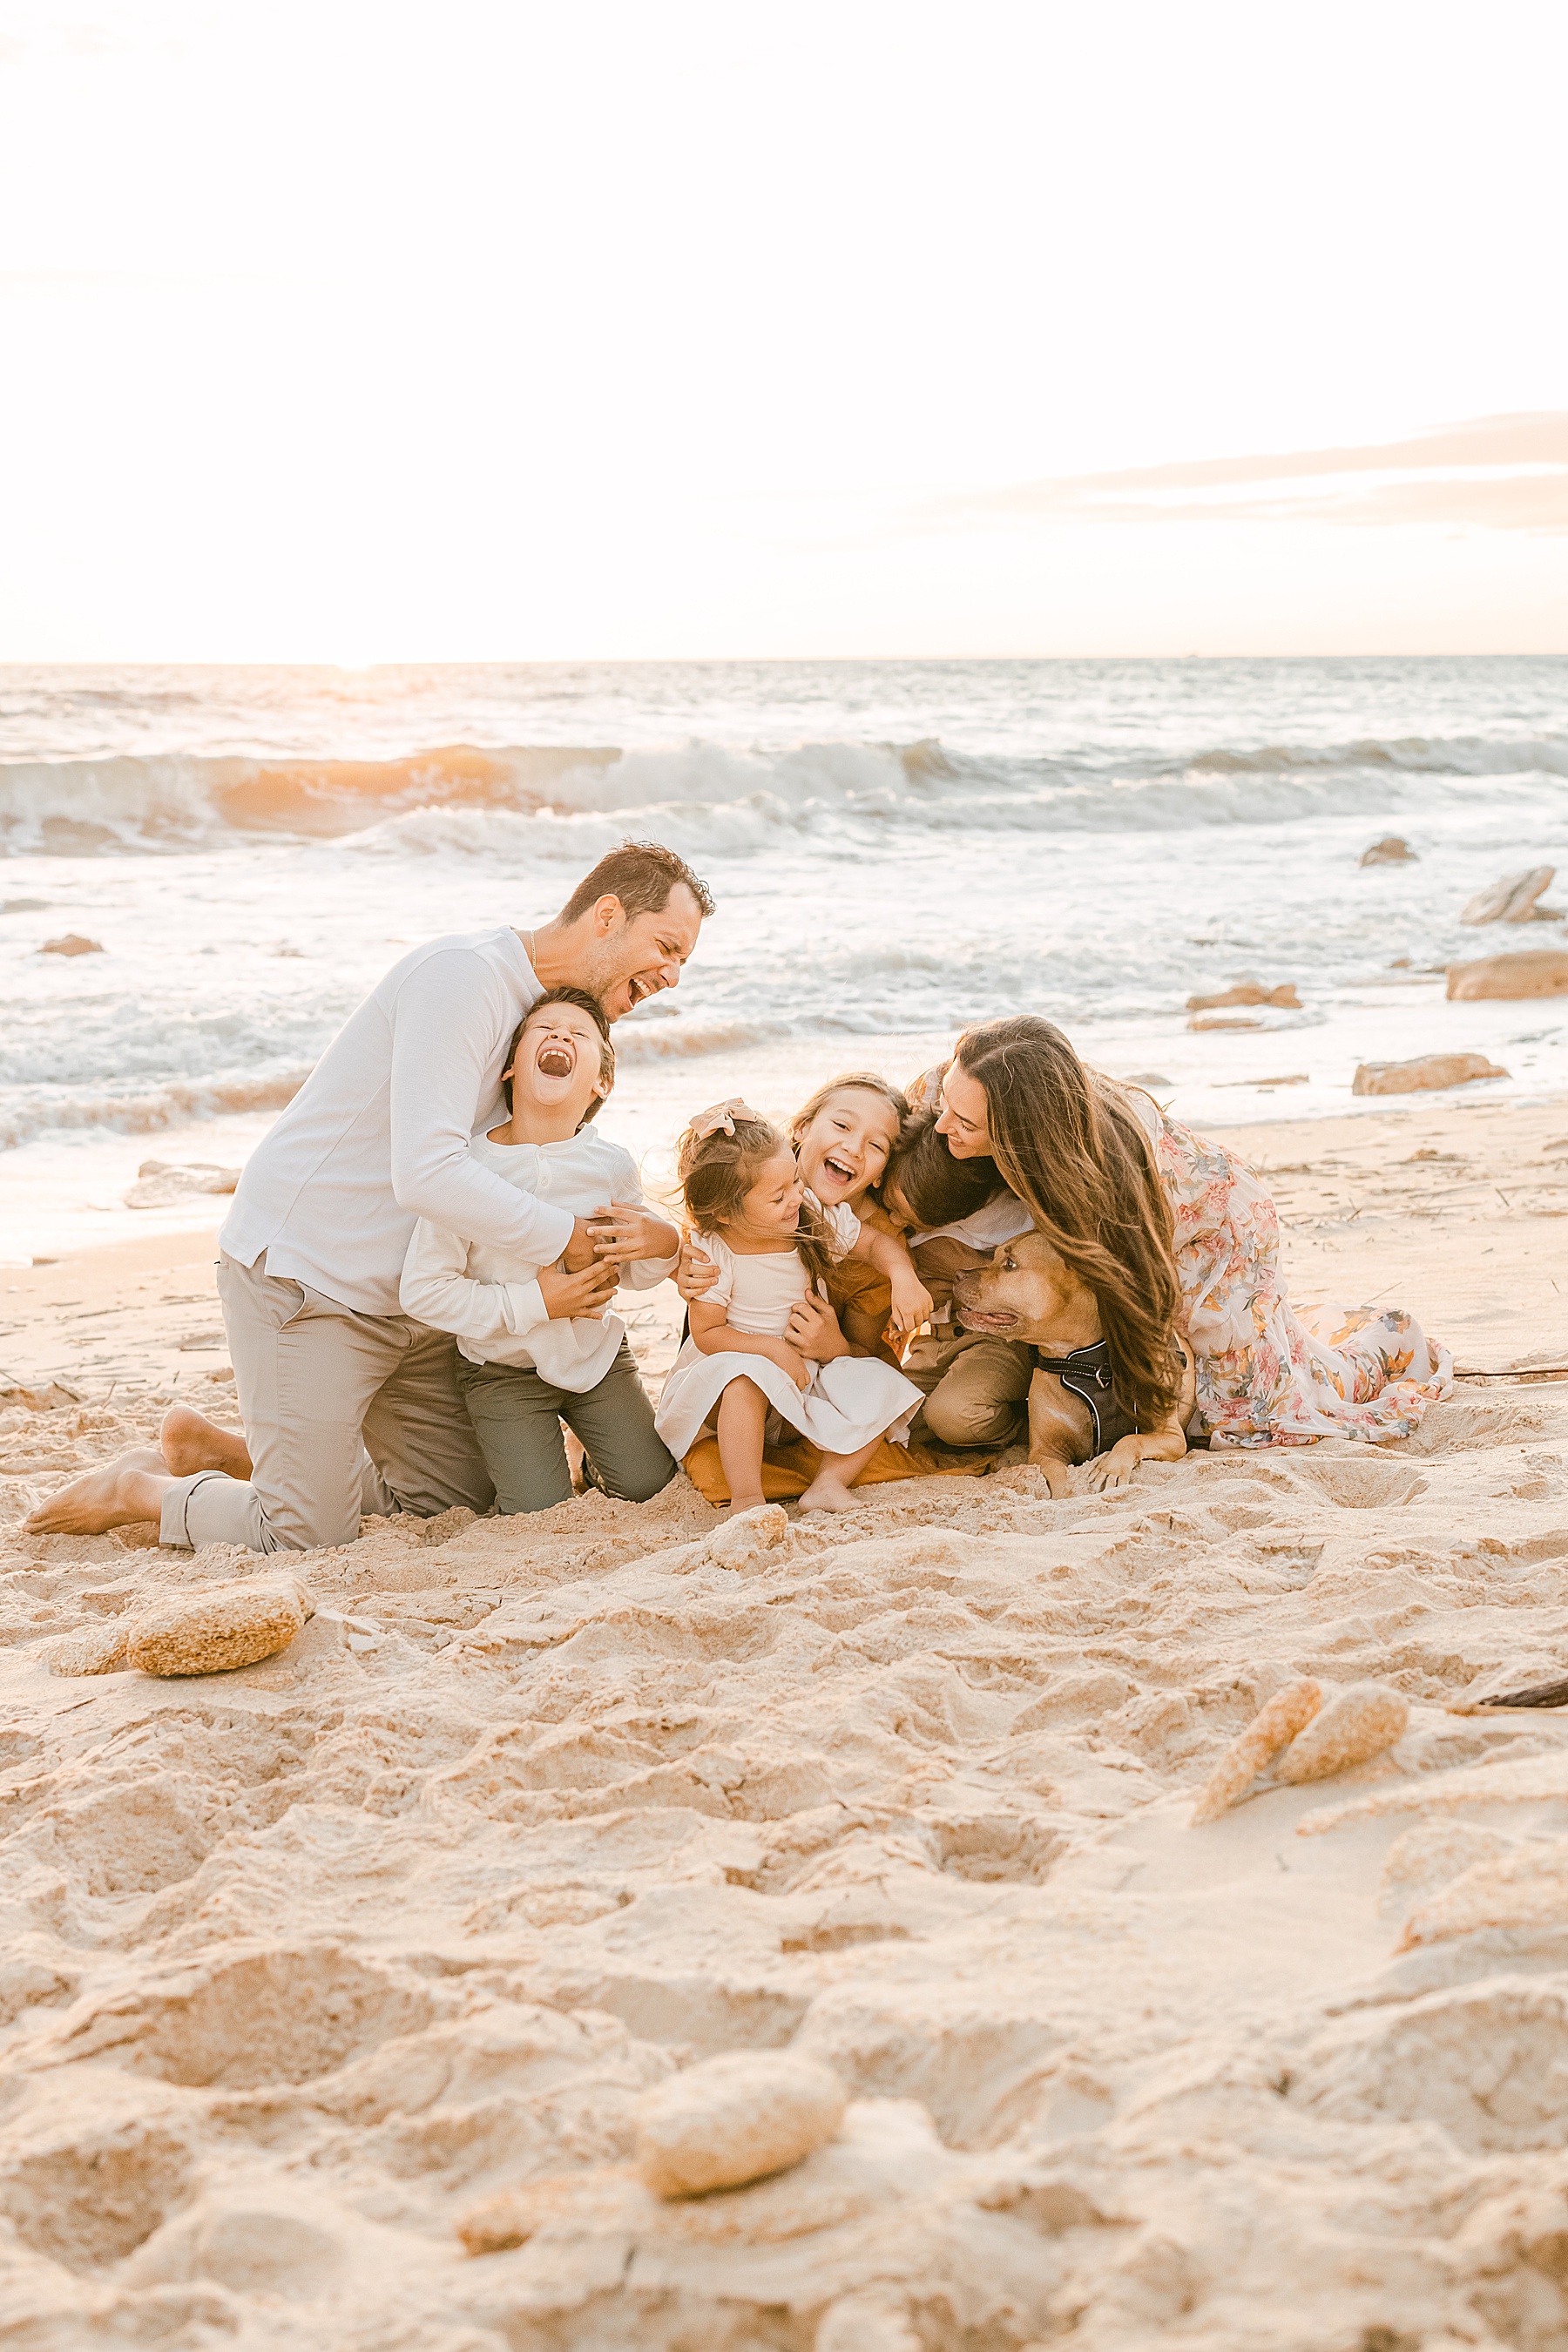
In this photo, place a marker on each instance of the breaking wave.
(38, 1110)
(557, 801)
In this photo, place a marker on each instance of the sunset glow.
(355, 335)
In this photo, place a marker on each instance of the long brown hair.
(1075, 1152)
(718, 1170)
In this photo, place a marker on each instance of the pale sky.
(492, 329)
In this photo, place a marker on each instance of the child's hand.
(911, 1301)
(812, 1330)
(696, 1273)
(588, 1293)
(622, 1234)
(793, 1363)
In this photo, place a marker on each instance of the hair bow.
(720, 1115)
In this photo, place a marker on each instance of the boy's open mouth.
(555, 1060)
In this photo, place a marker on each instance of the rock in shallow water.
(733, 2119)
(1533, 972)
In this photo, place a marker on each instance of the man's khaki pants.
(343, 1414)
(976, 1388)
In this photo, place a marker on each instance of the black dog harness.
(1086, 1374)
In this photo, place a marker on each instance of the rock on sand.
(1427, 1070)
(211, 1633)
(733, 2119)
(161, 1182)
(1533, 972)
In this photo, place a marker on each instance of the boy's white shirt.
(489, 1297)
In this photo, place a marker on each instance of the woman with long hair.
(1173, 1235)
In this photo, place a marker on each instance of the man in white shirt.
(349, 1404)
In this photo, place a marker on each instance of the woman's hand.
(912, 1302)
(622, 1236)
(812, 1330)
(696, 1273)
(588, 1293)
(792, 1361)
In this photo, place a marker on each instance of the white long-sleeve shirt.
(378, 1135)
(491, 1295)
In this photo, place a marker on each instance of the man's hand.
(622, 1236)
(912, 1302)
(812, 1330)
(696, 1273)
(792, 1362)
(581, 1251)
(588, 1292)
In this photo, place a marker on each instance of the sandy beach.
(303, 1962)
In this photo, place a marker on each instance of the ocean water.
(897, 849)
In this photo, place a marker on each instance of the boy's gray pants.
(517, 1415)
(343, 1412)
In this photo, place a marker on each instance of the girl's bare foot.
(828, 1495)
(739, 1503)
(123, 1492)
(190, 1442)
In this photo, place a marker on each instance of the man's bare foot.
(123, 1492)
(739, 1503)
(190, 1442)
(829, 1495)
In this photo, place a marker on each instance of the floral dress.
(1269, 1373)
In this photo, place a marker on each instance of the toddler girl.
(764, 1344)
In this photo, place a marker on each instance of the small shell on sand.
(732, 2119)
(1276, 1723)
(1357, 1723)
(211, 1631)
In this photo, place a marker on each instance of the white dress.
(852, 1401)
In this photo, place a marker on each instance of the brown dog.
(1027, 1294)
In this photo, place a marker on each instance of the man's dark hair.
(641, 874)
(584, 1004)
